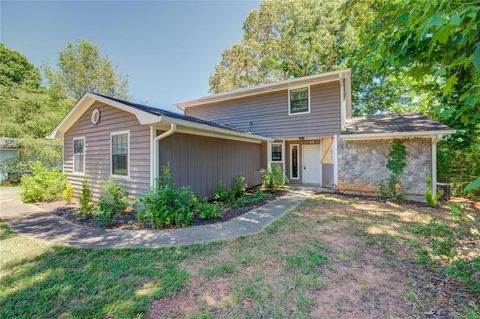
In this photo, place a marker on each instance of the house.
(303, 125)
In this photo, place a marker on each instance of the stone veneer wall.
(362, 165)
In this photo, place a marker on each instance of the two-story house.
(304, 125)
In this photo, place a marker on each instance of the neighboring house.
(8, 151)
(304, 125)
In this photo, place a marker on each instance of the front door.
(312, 169)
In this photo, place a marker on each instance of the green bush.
(113, 202)
(239, 186)
(223, 194)
(68, 193)
(43, 185)
(207, 210)
(432, 201)
(250, 199)
(167, 205)
(273, 178)
(85, 200)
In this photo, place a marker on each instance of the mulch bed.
(130, 221)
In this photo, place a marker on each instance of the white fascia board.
(266, 88)
(225, 133)
(87, 100)
(374, 136)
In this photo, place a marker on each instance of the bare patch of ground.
(334, 257)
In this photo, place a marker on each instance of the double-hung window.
(79, 155)
(299, 101)
(277, 152)
(120, 157)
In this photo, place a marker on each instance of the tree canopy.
(15, 69)
(82, 68)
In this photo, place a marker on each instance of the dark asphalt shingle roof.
(392, 123)
(160, 112)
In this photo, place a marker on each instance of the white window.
(299, 101)
(79, 155)
(277, 152)
(120, 149)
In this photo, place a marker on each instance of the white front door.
(312, 169)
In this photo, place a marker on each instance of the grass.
(331, 256)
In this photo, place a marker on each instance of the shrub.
(165, 205)
(273, 178)
(68, 193)
(113, 202)
(85, 200)
(223, 194)
(432, 201)
(43, 185)
(207, 210)
(250, 199)
(239, 186)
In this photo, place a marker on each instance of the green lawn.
(332, 257)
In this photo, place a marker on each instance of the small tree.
(68, 193)
(85, 199)
(273, 178)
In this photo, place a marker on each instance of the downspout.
(435, 139)
(173, 128)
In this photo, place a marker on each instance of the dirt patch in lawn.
(129, 221)
(334, 257)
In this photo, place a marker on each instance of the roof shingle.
(392, 123)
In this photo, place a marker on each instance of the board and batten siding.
(97, 150)
(199, 162)
(269, 113)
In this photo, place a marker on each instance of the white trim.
(156, 170)
(153, 132)
(291, 161)
(84, 155)
(283, 155)
(266, 88)
(335, 161)
(434, 166)
(112, 134)
(193, 131)
(308, 100)
(269, 154)
(284, 160)
(213, 129)
(373, 136)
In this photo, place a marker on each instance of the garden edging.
(26, 220)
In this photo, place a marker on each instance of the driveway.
(32, 221)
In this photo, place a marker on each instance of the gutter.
(173, 128)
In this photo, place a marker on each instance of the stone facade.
(362, 165)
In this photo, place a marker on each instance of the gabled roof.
(400, 123)
(146, 115)
(265, 88)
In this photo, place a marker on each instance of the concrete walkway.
(31, 221)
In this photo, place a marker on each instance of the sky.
(167, 49)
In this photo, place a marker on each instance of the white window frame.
(296, 88)
(112, 134)
(74, 172)
(298, 161)
(283, 152)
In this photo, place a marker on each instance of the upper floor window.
(79, 155)
(277, 152)
(299, 101)
(120, 148)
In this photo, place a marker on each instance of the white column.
(335, 161)
(284, 159)
(434, 166)
(152, 156)
(269, 155)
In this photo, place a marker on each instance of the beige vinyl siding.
(199, 161)
(97, 150)
(269, 113)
